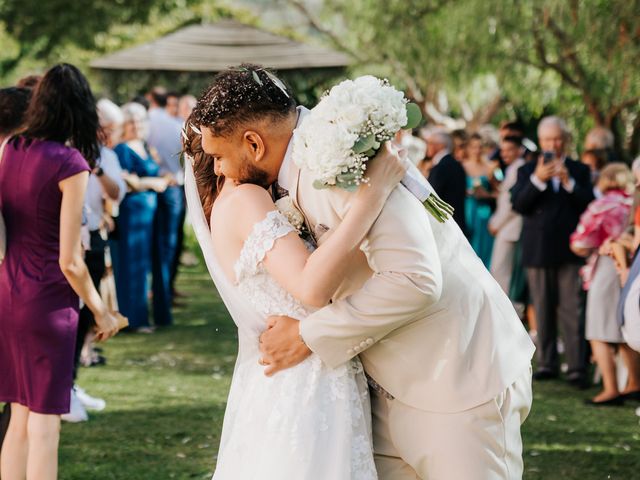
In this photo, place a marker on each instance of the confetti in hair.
(241, 95)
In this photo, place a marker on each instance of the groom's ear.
(255, 144)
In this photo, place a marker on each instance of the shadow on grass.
(159, 443)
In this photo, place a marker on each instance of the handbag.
(3, 228)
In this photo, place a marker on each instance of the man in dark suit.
(551, 194)
(447, 176)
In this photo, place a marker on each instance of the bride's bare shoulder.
(242, 207)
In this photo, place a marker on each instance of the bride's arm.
(314, 278)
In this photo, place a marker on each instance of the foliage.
(576, 58)
(166, 395)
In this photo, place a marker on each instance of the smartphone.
(548, 157)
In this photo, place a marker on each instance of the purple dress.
(38, 307)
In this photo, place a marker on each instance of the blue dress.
(131, 252)
(477, 214)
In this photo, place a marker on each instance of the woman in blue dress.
(134, 223)
(480, 199)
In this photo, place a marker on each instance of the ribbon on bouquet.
(420, 188)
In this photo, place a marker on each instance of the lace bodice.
(254, 282)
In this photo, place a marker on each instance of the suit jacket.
(449, 180)
(431, 325)
(505, 220)
(550, 217)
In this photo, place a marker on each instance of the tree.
(38, 27)
(576, 58)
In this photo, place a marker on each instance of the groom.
(446, 356)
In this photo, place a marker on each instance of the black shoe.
(633, 396)
(581, 382)
(614, 402)
(542, 375)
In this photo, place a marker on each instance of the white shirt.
(164, 137)
(439, 156)
(94, 207)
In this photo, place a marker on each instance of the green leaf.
(320, 185)
(256, 77)
(364, 144)
(414, 116)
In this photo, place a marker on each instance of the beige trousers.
(482, 443)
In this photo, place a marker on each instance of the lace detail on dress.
(259, 242)
(308, 422)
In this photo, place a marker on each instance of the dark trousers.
(557, 299)
(165, 241)
(94, 259)
(180, 245)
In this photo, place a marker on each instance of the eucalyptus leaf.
(364, 144)
(414, 116)
(320, 185)
(256, 77)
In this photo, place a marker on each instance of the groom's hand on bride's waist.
(281, 345)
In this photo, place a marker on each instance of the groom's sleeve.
(402, 252)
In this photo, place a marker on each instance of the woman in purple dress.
(42, 186)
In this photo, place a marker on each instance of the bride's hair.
(208, 183)
(241, 95)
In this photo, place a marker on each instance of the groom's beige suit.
(434, 330)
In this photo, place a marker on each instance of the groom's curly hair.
(241, 95)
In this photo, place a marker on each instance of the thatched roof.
(211, 48)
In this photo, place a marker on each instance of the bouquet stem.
(423, 191)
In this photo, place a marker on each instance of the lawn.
(166, 396)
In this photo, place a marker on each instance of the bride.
(310, 421)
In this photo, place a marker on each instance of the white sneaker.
(77, 412)
(89, 402)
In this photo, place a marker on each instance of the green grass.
(166, 396)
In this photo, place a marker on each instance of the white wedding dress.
(309, 422)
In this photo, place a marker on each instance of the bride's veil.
(244, 316)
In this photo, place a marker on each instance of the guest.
(551, 196)
(43, 272)
(601, 138)
(506, 224)
(185, 106)
(105, 181)
(478, 203)
(172, 105)
(606, 219)
(460, 141)
(134, 224)
(13, 105)
(30, 82)
(165, 138)
(446, 174)
(595, 159)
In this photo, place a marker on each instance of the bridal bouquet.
(348, 127)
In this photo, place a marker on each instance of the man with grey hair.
(551, 194)
(599, 138)
(447, 176)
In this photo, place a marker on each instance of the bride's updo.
(208, 183)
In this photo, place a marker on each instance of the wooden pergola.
(214, 47)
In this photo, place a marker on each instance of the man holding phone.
(551, 194)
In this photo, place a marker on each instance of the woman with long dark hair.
(43, 177)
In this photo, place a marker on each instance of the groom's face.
(235, 156)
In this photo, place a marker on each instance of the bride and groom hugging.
(373, 343)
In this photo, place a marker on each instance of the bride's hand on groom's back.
(281, 345)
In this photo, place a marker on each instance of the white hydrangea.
(352, 110)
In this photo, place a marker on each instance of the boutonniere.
(286, 207)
